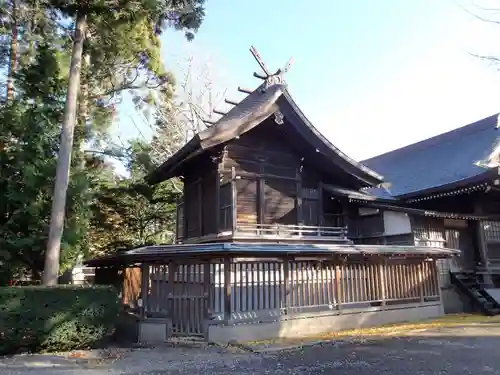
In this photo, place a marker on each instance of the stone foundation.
(312, 324)
(154, 331)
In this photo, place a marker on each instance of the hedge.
(60, 318)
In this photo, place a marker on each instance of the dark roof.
(443, 161)
(251, 111)
(160, 253)
(349, 193)
(259, 105)
(422, 212)
(381, 192)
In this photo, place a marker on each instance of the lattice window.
(491, 231)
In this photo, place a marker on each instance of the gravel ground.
(471, 350)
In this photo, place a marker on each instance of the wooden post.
(421, 282)
(209, 295)
(320, 203)
(227, 289)
(435, 278)
(144, 289)
(482, 244)
(338, 287)
(483, 251)
(382, 280)
(177, 221)
(217, 200)
(286, 277)
(300, 219)
(172, 303)
(184, 212)
(233, 199)
(483, 247)
(261, 196)
(199, 194)
(208, 291)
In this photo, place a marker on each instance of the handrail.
(473, 296)
(283, 230)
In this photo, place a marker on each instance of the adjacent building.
(454, 177)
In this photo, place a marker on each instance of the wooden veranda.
(198, 291)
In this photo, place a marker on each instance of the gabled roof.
(291, 110)
(251, 111)
(459, 157)
(267, 99)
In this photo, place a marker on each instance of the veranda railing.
(241, 290)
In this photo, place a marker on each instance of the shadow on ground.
(469, 349)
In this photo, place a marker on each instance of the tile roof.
(441, 160)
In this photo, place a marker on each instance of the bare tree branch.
(495, 11)
(477, 16)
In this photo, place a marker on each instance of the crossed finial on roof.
(269, 78)
(267, 75)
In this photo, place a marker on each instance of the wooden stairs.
(470, 285)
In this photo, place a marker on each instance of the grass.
(450, 320)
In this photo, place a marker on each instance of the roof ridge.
(471, 128)
(319, 134)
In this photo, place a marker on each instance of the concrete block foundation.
(154, 331)
(312, 324)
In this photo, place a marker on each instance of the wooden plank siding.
(199, 207)
(280, 197)
(192, 204)
(247, 201)
(209, 204)
(258, 180)
(368, 226)
(269, 181)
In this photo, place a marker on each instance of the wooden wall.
(455, 234)
(368, 226)
(269, 181)
(199, 205)
(268, 185)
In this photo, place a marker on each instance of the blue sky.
(371, 75)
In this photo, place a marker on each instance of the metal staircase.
(469, 284)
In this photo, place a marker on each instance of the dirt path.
(471, 349)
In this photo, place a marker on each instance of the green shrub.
(38, 318)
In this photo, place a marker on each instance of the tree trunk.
(52, 255)
(84, 93)
(83, 111)
(13, 50)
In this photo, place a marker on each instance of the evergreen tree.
(150, 14)
(31, 126)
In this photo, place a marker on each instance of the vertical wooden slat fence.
(180, 292)
(234, 291)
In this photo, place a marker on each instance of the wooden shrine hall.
(455, 172)
(275, 227)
